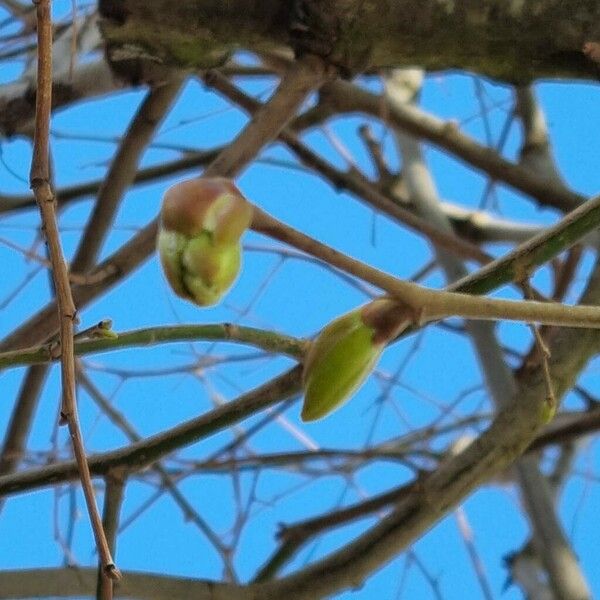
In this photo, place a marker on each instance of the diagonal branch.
(302, 77)
(147, 451)
(511, 432)
(344, 97)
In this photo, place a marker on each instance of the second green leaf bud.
(202, 221)
(344, 354)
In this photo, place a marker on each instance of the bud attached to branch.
(202, 221)
(345, 353)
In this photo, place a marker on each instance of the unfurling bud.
(344, 354)
(202, 221)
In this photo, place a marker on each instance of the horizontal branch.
(68, 582)
(79, 191)
(504, 40)
(266, 340)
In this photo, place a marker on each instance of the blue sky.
(298, 298)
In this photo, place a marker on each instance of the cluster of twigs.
(520, 420)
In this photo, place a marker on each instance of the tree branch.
(40, 183)
(266, 340)
(139, 455)
(75, 581)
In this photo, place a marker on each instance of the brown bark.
(510, 41)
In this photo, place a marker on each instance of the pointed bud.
(202, 221)
(344, 354)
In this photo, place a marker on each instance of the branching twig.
(353, 180)
(303, 77)
(293, 537)
(426, 304)
(188, 510)
(343, 97)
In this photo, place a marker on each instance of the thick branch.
(504, 40)
(74, 581)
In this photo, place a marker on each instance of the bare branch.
(40, 183)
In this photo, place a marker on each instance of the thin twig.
(478, 566)
(293, 537)
(341, 97)
(115, 481)
(544, 353)
(40, 184)
(97, 339)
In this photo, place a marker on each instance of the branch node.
(111, 571)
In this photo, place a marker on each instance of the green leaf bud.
(202, 221)
(344, 354)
